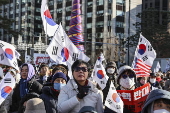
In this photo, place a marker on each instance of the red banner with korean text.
(134, 99)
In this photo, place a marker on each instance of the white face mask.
(110, 70)
(161, 111)
(152, 80)
(127, 83)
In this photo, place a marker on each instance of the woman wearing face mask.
(111, 71)
(158, 101)
(154, 84)
(126, 80)
(50, 93)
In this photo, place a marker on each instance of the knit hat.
(112, 63)
(152, 75)
(87, 109)
(35, 105)
(122, 69)
(59, 75)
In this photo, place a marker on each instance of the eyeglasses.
(130, 76)
(84, 69)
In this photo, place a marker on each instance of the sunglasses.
(84, 69)
(130, 76)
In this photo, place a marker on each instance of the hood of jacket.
(154, 95)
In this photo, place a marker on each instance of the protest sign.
(134, 99)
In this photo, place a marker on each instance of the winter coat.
(41, 81)
(155, 85)
(33, 86)
(5, 106)
(167, 85)
(154, 95)
(68, 102)
(50, 99)
(106, 89)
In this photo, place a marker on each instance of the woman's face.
(80, 73)
(24, 72)
(161, 105)
(60, 80)
(143, 80)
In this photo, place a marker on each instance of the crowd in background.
(44, 89)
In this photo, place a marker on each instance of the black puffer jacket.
(33, 86)
(50, 98)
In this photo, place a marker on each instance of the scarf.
(23, 87)
(23, 82)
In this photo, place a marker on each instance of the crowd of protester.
(44, 89)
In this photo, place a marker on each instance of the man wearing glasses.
(79, 91)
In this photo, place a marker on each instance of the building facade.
(28, 22)
(107, 21)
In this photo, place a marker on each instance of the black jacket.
(155, 85)
(33, 86)
(50, 99)
(106, 89)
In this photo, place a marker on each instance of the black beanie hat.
(59, 75)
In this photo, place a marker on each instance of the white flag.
(6, 86)
(99, 74)
(62, 50)
(113, 100)
(144, 57)
(50, 26)
(8, 55)
(167, 66)
(101, 57)
(157, 67)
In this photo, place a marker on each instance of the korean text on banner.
(134, 99)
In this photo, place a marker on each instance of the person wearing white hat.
(126, 78)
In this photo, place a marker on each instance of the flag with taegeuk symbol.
(63, 51)
(113, 100)
(144, 57)
(99, 74)
(50, 26)
(6, 86)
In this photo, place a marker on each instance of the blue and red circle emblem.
(142, 49)
(100, 74)
(5, 91)
(48, 18)
(9, 53)
(115, 97)
(65, 54)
